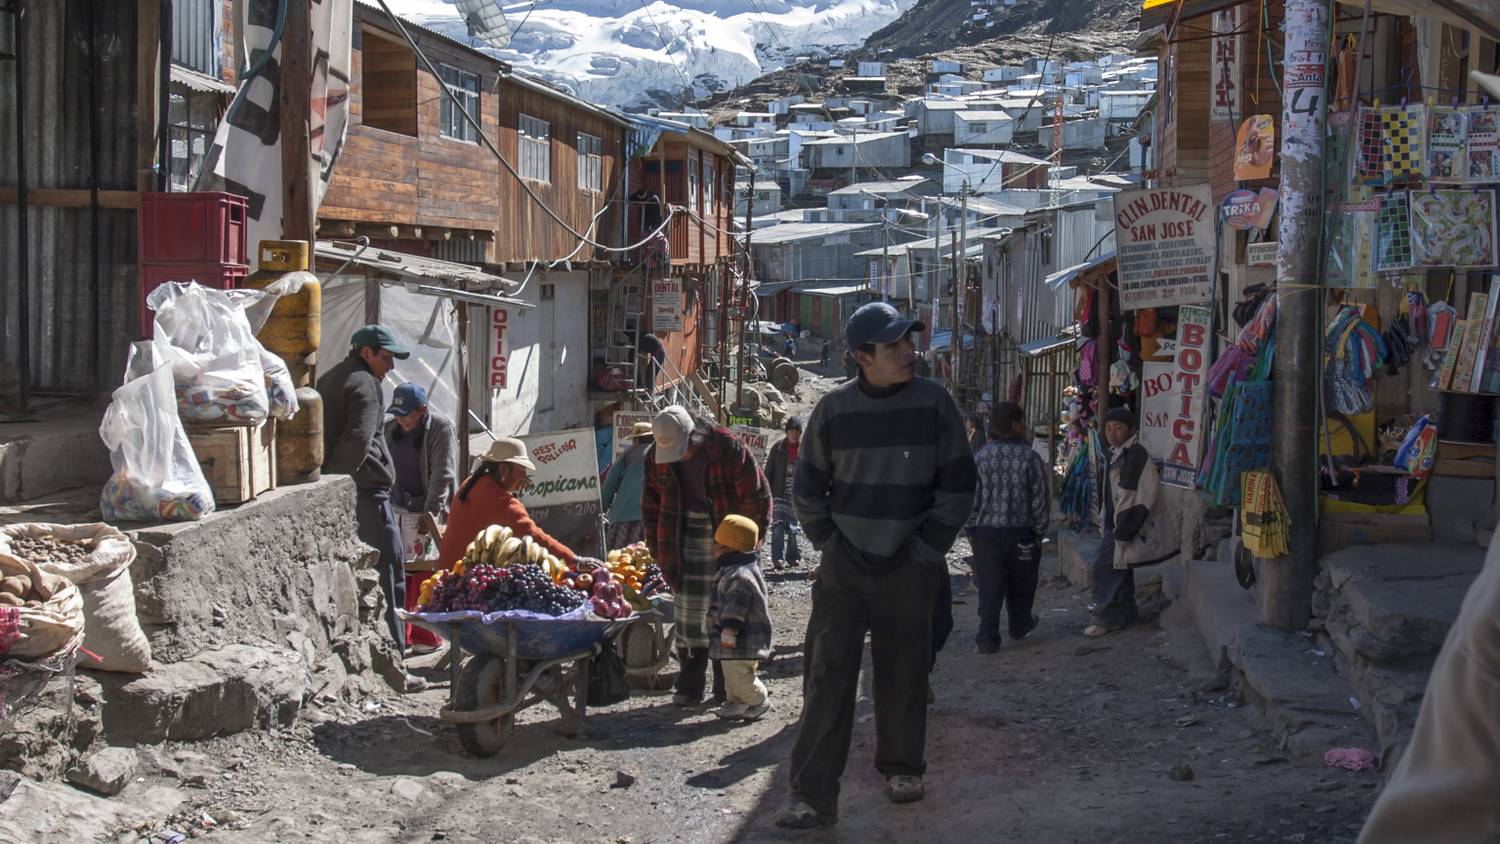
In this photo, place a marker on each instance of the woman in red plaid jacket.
(696, 474)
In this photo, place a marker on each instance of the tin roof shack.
(764, 197)
(871, 195)
(844, 155)
(812, 251)
(983, 128)
(1086, 134)
(415, 177)
(990, 171)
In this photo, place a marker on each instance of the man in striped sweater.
(885, 479)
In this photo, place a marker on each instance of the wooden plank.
(147, 74)
(295, 89)
(122, 200)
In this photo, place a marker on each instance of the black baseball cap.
(878, 322)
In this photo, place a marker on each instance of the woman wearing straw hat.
(622, 490)
(487, 497)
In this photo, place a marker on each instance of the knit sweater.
(740, 603)
(1013, 488)
(886, 473)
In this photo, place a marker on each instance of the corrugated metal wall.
(196, 33)
(80, 331)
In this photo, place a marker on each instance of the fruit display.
(603, 589)
(634, 567)
(486, 588)
(498, 546)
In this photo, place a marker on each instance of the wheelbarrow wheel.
(479, 687)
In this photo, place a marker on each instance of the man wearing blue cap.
(884, 483)
(421, 445)
(353, 409)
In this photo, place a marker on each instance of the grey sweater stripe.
(884, 471)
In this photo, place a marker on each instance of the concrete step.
(1397, 601)
(1219, 607)
(1302, 696)
(60, 450)
(1076, 550)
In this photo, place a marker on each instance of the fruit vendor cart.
(515, 662)
(646, 645)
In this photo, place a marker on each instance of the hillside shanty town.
(1078, 422)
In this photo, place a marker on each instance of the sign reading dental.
(666, 304)
(1165, 246)
(563, 495)
(1186, 420)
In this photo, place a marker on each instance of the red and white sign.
(758, 440)
(1158, 401)
(1188, 371)
(1247, 209)
(499, 360)
(666, 304)
(1165, 240)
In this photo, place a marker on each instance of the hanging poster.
(1483, 134)
(563, 494)
(1446, 129)
(758, 440)
(1453, 228)
(666, 304)
(1369, 163)
(1165, 245)
(1185, 455)
(1226, 66)
(1403, 133)
(1157, 405)
(624, 421)
(1351, 258)
(1255, 148)
(1248, 209)
(1392, 249)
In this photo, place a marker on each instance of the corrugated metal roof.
(840, 290)
(893, 186)
(983, 115)
(1004, 156)
(1058, 279)
(946, 240)
(399, 265)
(789, 232)
(200, 82)
(861, 138)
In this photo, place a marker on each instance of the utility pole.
(740, 301)
(885, 258)
(961, 279)
(296, 113)
(1287, 582)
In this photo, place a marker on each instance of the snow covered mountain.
(665, 52)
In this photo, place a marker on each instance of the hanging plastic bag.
(156, 474)
(206, 336)
(280, 389)
(1418, 449)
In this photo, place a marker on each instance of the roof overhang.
(200, 82)
(428, 276)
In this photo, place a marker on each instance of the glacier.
(637, 54)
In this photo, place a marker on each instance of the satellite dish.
(486, 21)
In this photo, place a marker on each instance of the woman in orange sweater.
(487, 497)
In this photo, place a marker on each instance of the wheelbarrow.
(646, 645)
(515, 663)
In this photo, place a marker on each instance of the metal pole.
(1288, 581)
(740, 300)
(461, 311)
(885, 259)
(23, 236)
(164, 100)
(97, 299)
(961, 280)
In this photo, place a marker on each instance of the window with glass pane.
(534, 142)
(590, 163)
(465, 89)
(192, 119)
(710, 188)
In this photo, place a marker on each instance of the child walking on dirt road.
(740, 620)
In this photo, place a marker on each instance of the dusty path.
(1055, 739)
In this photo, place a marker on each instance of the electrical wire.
(660, 36)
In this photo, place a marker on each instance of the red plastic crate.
(217, 276)
(198, 228)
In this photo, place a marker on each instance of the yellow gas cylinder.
(293, 330)
(299, 441)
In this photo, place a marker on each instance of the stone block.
(238, 687)
(106, 772)
(1305, 701)
(1219, 607)
(40, 811)
(60, 452)
(1397, 601)
(251, 574)
(43, 741)
(1075, 550)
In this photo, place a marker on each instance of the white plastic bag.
(112, 633)
(279, 387)
(156, 474)
(206, 336)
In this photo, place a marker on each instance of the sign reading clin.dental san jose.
(1165, 246)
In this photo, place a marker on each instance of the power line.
(665, 48)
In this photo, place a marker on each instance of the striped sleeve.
(814, 479)
(953, 486)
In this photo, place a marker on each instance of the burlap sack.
(56, 624)
(112, 632)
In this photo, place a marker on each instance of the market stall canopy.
(429, 276)
(1066, 339)
(1104, 263)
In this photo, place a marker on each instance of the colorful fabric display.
(1354, 352)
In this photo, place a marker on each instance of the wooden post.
(147, 72)
(296, 112)
(461, 311)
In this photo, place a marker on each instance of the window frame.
(590, 162)
(466, 133)
(533, 148)
(197, 118)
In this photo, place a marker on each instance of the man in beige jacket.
(1446, 787)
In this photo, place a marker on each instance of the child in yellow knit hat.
(740, 620)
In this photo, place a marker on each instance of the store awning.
(428, 276)
(200, 82)
(841, 290)
(771, 288)
(1062, 277)
(1051, 345)
(943, 337)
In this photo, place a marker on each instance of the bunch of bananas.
(497, 546)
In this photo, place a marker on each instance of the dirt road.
(1057, 739)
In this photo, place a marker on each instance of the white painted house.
(1002, 73)
(983, 128)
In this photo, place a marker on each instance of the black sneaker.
(1030, 627)
(986, 647)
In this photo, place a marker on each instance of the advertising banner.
(563, 496)
(666, 304)
(1158, 398)
(624, 421)
(1165, 240)
(758, 440)
(1186, 420)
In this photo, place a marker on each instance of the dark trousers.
(379, 529)
(784, 537)
(1114, 589)
(1006, 561)
(691, 679)
(896, 608)
(942, 613)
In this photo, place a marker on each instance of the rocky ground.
(1133, 737)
